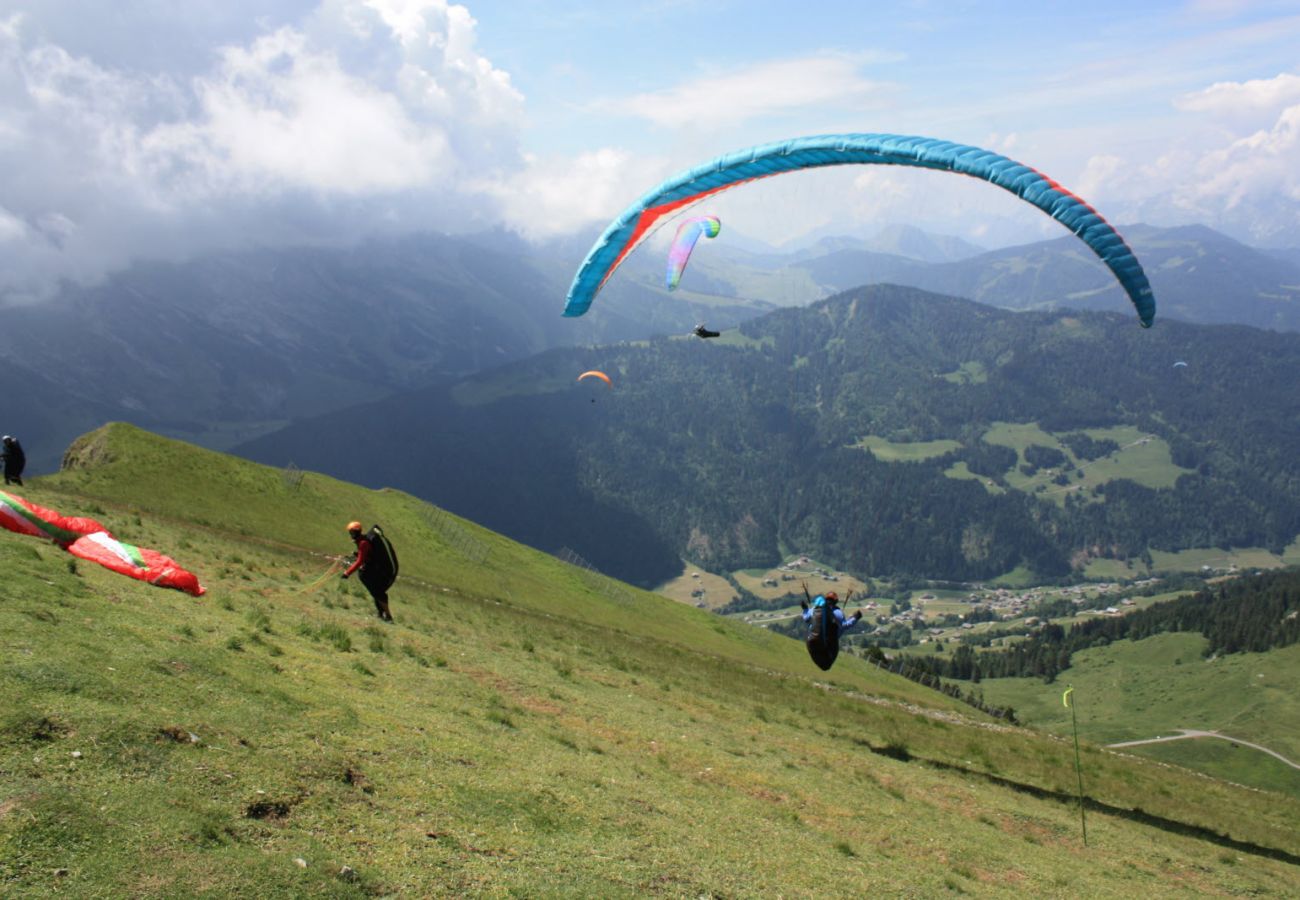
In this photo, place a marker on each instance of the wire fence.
(595, 579)
(455, 535)
(291, 476)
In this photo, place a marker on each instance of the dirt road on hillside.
(1185, 733)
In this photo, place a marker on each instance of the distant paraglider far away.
(597, 374)
(636, 223)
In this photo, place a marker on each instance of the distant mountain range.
(222, 349)
(886, 431)
(1197, 275)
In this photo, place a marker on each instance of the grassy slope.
(522, 729)
(1135, 690)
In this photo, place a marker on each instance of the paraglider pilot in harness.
(826, 625)
(701, 332)
(376, 562)
(14, 460)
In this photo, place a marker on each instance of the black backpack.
(381, 566)
(823, 628)
(823, 639)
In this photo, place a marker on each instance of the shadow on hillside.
(1137, 814)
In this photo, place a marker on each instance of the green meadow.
(1136, 690)
(1194, 560)
(1114, 569)
(524, 729)
(1144, 459)
(972, 372)
(961, 472)
(717, 591)
(889, 451)
(1216, 558)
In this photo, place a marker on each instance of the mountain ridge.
(732, 452)
(223, 349)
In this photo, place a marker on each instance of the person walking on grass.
(826, 625)
(15, 461)
(376, 561)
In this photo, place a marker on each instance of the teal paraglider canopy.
(636, 223)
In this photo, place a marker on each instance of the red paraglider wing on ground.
(136, 562)
(91, 541)
(25, 517)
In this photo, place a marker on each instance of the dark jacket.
(15, 458)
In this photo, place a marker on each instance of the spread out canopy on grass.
(688, 235)
(91, 541)
(596, 374)
(25, 517)
(137, 562)
(640, 219)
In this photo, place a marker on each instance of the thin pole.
(1078, 769)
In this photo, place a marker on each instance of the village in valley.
(925, 619)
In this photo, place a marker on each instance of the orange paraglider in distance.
(596, 374)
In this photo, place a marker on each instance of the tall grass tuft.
(415, 655)
(336, 635)
(258, 618)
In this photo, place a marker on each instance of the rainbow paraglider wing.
(639, 220)
(688, 235)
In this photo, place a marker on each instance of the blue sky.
(984, 67)
(146, 128)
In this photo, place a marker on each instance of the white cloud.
(11, 227)
(277, 115)
(1099, 174)
(1254, 172)
(556, 196)
(781, 86)
(362, 114)
(1236, 98)
(1245, 177)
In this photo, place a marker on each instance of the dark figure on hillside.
(376, 562)
(702, 332)
(826, 625)
(15, 461)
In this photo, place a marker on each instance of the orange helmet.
(831, 595)
(354, 526)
